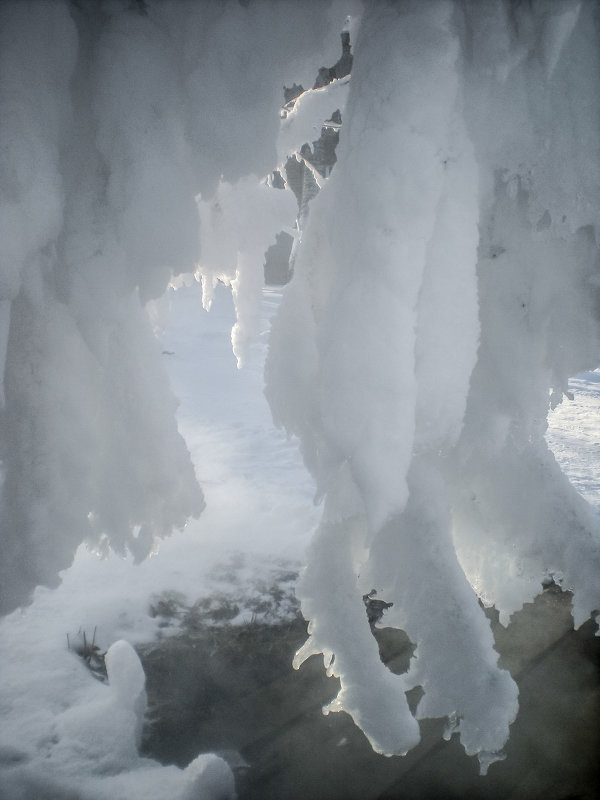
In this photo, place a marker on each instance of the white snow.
(60, 727)
(115, 117)
(447, 280)
(574, 435)
(43, 685)
(237, 226)
(302, 125)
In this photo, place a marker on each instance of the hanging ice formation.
(114, 115)
(447, 279)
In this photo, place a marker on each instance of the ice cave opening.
(431, 203)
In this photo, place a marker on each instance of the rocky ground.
(231, 688)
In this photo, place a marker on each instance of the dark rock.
(277, 260)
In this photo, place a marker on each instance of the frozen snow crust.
(446, 280)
